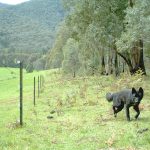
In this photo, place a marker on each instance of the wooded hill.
(29, 27)
(103, 37)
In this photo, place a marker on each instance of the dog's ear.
(134, 91)
(141, 92)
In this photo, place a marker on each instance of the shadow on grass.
(143, 119)
(121, 119)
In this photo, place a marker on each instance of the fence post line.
(21, 93)
(38, 87)
(34, 92)
(40, 82)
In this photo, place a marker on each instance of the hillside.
(29, 26)
(3, 5)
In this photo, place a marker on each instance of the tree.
(55, 56)
(29, 68)
(135, 37)
(71, 61)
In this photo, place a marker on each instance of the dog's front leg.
(136, 108)
(115, 114)
(127, 112)
(118, 108)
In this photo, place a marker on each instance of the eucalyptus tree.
(136, 35)
(70, 63)
(55, 56)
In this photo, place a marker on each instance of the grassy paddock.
(82, 118)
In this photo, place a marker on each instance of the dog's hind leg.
(136, 108)
(117, 109)
(127, 112)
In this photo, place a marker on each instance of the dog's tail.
(109, 97)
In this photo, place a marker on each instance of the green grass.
(83, 119)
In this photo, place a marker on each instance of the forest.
(103, 37)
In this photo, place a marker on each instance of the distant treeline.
(31, 62)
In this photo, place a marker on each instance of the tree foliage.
(70, 63)
(110, 34)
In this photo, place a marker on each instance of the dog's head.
(137, 95)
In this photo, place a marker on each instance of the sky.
(13, 2)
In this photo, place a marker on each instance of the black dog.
(128, 98)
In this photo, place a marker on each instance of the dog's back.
(118, 97)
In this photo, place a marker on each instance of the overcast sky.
(13, 2)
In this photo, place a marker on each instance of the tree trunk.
(138, 58)
(123, 66)
(127, 60)
(110, 62)
(131, 3)
(137, 52)
(115, 60)
(102, 63)
(116, 64)
(74, 74)
(136, 61)
(141, 61)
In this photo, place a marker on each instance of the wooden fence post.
(40, 81)
(21, 93)
(34, 92)
(38, 87)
